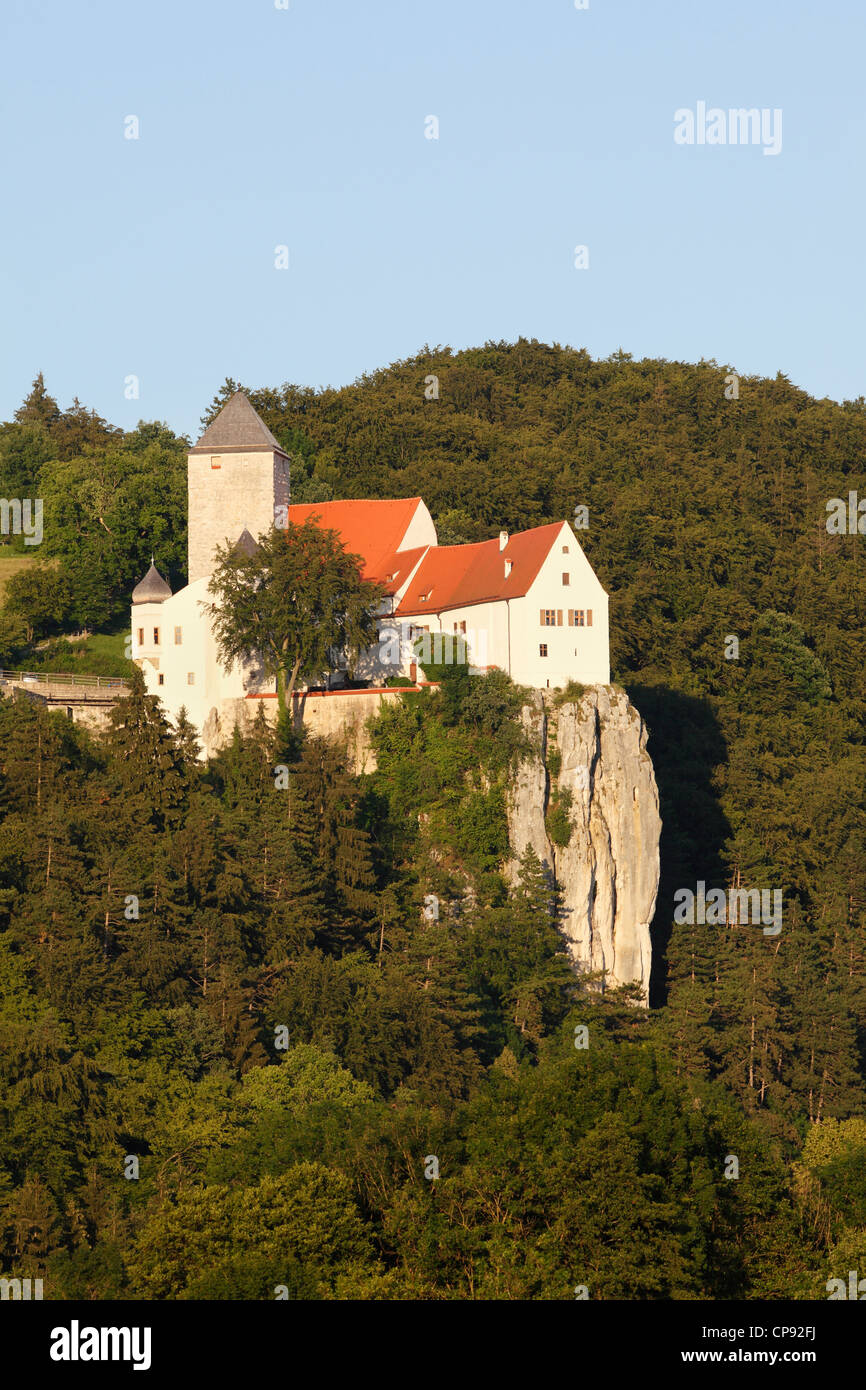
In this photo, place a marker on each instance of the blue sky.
(305, 127)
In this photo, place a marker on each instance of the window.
(542, 649)
(566, 578)
(548, 617)
(216, 461)
(575, 617)
(141, 636)
(565, 550)
(190, 677)
(160, 680)
(178, 636)
(156, 636)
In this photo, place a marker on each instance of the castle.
(529, 603)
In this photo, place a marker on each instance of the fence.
(47, 678)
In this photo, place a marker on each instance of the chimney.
(508, 567)
(503, 539)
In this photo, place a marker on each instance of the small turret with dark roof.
(153, 588)
(245, 544)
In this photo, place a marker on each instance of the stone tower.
(238, 476)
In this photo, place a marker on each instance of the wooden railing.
(53, 678)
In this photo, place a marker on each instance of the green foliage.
(40, 596)
(92, 656)
(295, 604)
(558, 819)
(571, 693)
(299, 1230)
(302, 907)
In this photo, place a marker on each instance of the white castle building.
(529, 603)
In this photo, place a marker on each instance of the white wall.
(509, 634)
(420, 530)
(574, 653)
(196, 653)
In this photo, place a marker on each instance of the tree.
(38, 408)
(41, 597)
(149, 769)
(294, 604)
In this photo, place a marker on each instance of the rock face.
(608, 872)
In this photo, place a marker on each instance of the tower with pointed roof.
(238, 480)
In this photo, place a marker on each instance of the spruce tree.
(150, 782)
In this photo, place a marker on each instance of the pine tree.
(38, 408)
(150, 780)
(186, 738)
(343, 844)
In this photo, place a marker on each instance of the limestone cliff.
(608, 871)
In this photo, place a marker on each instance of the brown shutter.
(589, 617)
(559, 617)
(541, 616)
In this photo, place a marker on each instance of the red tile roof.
(453, 576)
(371, 529)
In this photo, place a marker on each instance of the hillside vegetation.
(259, 909)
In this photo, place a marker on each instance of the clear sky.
(304, 127)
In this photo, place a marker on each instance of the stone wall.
(336, 715)
(240, 493)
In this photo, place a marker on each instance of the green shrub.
(559, 825)
(571, 693)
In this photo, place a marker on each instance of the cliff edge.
(586, 799)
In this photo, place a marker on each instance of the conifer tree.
(150, 780)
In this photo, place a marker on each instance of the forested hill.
(707, 520)
(230, 1041)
